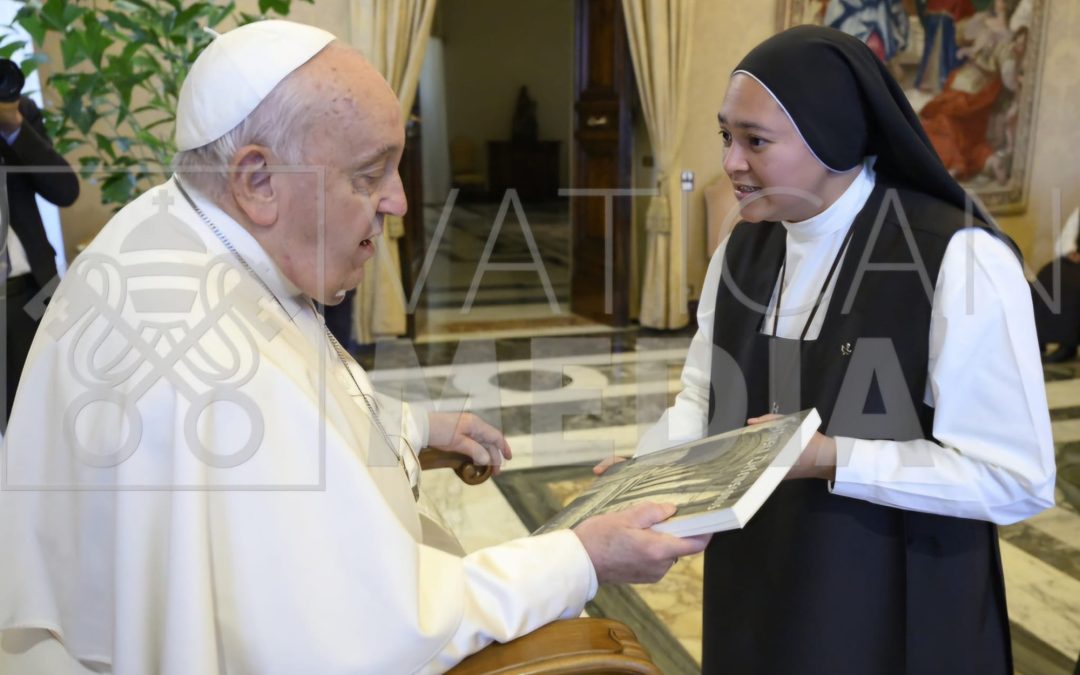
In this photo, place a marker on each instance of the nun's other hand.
(606, 464)
(818, 459)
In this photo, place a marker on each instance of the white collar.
(840, 214)
(292, 299)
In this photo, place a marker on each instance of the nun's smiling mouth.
(742, 190)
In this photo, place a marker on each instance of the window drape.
(659, 33)
(393, 35)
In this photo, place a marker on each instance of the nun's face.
(770, 166)
(356, 136)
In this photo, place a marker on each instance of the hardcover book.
(717, 483)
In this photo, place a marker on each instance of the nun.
(862, 281)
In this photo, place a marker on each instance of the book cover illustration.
(716, 483)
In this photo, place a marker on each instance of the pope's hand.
(624, 550)
(467, 434)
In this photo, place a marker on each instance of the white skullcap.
(236, 71)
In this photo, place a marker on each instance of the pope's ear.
(251, 185)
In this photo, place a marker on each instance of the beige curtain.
(392, 34)
(659, 34)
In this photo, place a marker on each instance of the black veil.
(847, 106)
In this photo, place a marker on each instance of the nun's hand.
(606, 464)
(818, 460)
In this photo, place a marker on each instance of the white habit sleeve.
(996, 458)
(996, 461)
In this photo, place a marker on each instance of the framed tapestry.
(971, 70)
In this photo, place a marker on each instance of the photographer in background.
(27, 260)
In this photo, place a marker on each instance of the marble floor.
(566, 401)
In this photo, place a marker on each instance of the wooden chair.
(571, 646)
(469, 473)
(464, 173)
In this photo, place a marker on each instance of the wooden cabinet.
(530, 168)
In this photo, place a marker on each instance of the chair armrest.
(570, 646)
(469, 473)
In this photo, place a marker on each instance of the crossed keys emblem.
(143, 318)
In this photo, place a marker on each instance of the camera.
(11, 81)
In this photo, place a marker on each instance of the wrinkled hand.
(10, 117)
(606, 464)
(624, 550)
(818, 460)
(467, 434)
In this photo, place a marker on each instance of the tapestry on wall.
(970, 69)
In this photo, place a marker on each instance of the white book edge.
(755, 495)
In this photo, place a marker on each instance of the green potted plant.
(122, 66)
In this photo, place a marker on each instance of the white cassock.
(995, 461)
(192, 483)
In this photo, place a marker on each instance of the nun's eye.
(756, 142)
(726, 135)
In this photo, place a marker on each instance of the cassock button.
(845, 349)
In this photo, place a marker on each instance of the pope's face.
(774, 174)
(355, 140)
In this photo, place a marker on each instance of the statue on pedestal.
(525, 127)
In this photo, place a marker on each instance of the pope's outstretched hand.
(624, 550)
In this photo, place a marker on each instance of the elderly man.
(222, 491)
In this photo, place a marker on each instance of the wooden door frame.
(595, 102)
(617, 101)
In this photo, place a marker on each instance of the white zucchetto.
(236, 71)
